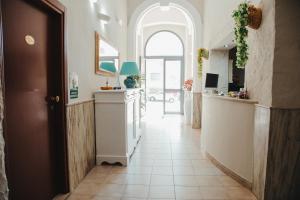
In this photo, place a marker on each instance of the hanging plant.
(245, 15)
(240, 31)
(202, 53)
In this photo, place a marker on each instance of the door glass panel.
(154, 86)
(173, 86)
(173, 74)
(173, 101)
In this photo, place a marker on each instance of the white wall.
(82, 22)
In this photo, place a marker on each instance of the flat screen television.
(211, 80)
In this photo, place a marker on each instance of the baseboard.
(229, 172)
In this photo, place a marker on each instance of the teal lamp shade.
(108, 67)
(129, 69)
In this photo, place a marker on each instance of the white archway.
(183, 5)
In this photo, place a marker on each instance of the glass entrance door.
(164, 80)
(155, 86)
(173, 93)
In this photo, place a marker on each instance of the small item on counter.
(117, 88)
(106, 88)
(243, 94)
(232, 94)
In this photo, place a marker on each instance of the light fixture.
(226, 45)
(103, 17)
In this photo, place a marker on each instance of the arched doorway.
(164, 71)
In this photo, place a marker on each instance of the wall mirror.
(105, 52)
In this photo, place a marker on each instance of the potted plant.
(245, 15)
(202, 53)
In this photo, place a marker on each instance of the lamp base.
(130, 82)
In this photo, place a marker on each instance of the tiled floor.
(167, 164)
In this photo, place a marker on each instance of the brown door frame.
(56, 6)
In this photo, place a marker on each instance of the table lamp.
(130, 69)
(110, 69)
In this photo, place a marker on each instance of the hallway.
(167, 164)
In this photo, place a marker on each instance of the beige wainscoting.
(81, 140)
(197, 108)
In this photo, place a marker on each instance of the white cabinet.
(117, 125)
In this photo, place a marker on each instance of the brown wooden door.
(33, 122)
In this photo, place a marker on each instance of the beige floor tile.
(136, 191)
(214, 193)
(163, 192)
(209, 181)
(202, 163)
(80, 197)
(137, 179)
(187, 192)
(105, 198)
(142, 162)
(116, 179)
(181, 156)
(188, 171)
(182, 163)
(101, 169)
(227, 181)
(111, 190)
(119, 170)
(239, 193)
(162, 170)
(139, 170)
(185, 181)
(211, 171)
(165, 162)
(87, 188)
(162, 180)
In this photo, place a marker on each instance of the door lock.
(55, 99)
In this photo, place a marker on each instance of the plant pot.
(255, 17)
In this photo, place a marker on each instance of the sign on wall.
(73, 76)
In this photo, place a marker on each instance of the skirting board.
(228, 172)
(124, 160)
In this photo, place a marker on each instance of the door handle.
(55, 99)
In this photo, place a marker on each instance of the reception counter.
(227, 134)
